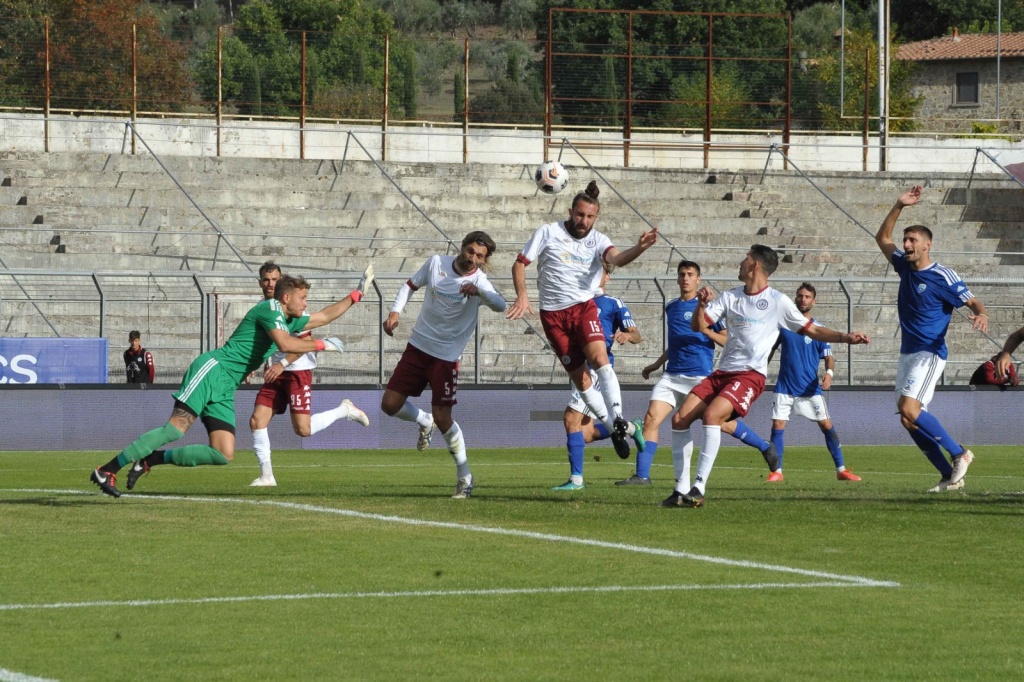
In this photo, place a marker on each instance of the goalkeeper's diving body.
(208, 388)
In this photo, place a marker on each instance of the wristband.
(356, 295)
(829, 372)
(284, 363)
(320, 345)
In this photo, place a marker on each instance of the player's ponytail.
(589, 195)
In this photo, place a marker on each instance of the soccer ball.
(551, 177)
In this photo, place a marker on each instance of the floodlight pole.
(883, 83)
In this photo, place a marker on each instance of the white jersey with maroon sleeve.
(753, 321)
(568, 269)
(448, 317)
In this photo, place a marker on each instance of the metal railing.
(182, 314)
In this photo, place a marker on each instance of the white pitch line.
(11, 676)
(495, 592)
(547, 537)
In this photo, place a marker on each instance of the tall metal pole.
(135, 81)
(46, 88)
(707, 94)
(842, 59)
(629, 92)
(220, 82)
(302, 101)
(999, 52)
(387, 85)
(465, 104)
(883, 81)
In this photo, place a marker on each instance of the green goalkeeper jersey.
(250, 344)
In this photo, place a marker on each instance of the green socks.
(148, 442)
(194, 455)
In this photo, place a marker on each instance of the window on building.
(966, 91)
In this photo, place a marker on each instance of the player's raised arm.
(620, 258)
(336, 310)
(884, 236)
(521, 306)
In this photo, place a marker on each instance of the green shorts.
(207, 390)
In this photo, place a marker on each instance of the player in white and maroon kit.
(569, 257)
(754, 313)
(455, 288)
(288, 382)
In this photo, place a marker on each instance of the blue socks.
(778, 440)
(834, 448)
(933, 429)
(644, 460)
(602, 431)
(745, 434)
(932, 451)
(575, 444)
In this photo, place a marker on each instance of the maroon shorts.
(290, 388)
(739, 388)
(417, 370)
(569, 330)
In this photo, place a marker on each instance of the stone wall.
(934, 83)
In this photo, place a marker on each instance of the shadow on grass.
(53, 501)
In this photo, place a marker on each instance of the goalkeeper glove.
(364, 284)
(332, 344)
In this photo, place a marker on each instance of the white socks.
(261, 444)
(595, 403)
(457, 446)
(712, 441)
(321, 420)
(411, 413)
(682, 453)
(609, 386)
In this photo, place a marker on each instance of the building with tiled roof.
(955, 78)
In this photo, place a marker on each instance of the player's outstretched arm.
(819, 333)
(287, 343)
(620, 258)
(521, 306)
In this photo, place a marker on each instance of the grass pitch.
(359, 566)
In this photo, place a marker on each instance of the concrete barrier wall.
(109, 418)
(429, 144)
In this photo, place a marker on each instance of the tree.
(91, 55)
(728, 92)
(344, 60)
(665, 48)
(826, 72)
(923, 19)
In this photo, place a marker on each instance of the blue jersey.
(614, 316)
(799, 358)
(927, 299)
(689, 353)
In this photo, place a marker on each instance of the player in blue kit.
(690, 356)
(580, 426)
(928, 294)
(797, 388)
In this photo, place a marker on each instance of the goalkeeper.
(208, 387)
